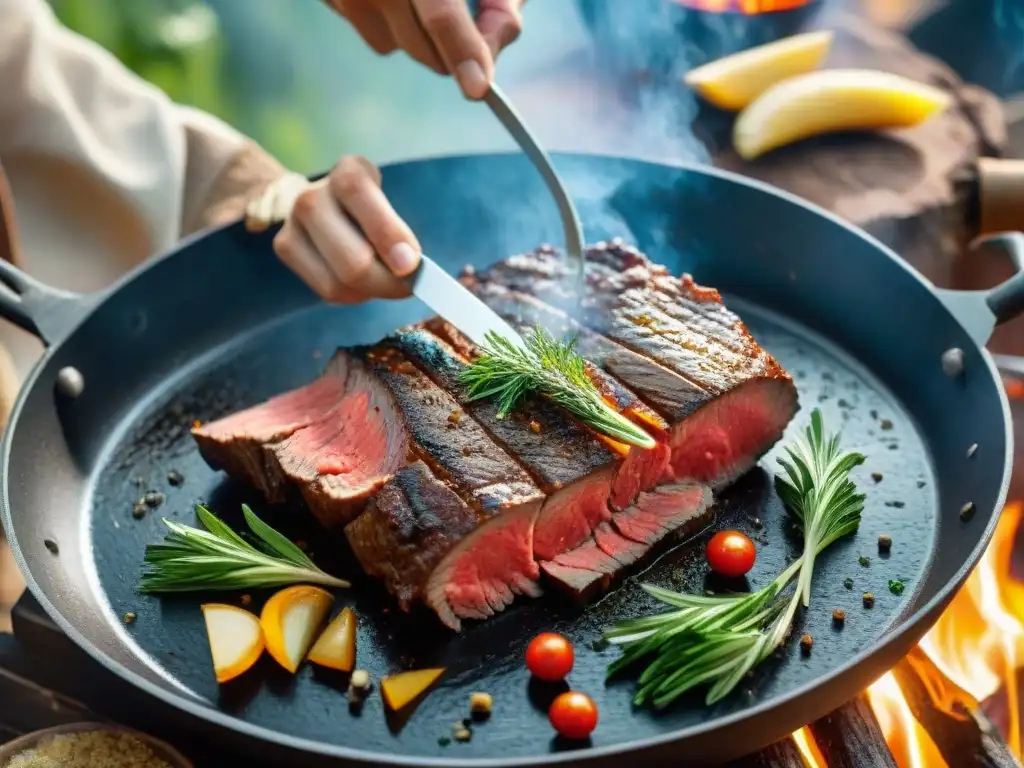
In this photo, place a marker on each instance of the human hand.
(321, 239)
(441, 34)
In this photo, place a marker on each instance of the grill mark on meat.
(460, 452)
(626, 310)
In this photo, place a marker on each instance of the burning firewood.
(952, 717)
(851, 737)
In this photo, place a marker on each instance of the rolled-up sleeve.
(64, 97)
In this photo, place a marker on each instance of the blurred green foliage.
(179, 46)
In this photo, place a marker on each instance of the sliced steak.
(339, 439)
(427, 544)
(569, 463)
(742, 399)
(468, 582)
(670, 511)
(370, 414)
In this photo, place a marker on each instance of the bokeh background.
(296, 78)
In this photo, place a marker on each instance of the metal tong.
(513, 123)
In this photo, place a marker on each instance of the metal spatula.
(508, 116)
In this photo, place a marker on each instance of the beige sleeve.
(65, 98)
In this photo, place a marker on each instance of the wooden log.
(952, 717)
(851, 737)
(781, 754)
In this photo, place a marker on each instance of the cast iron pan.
(219, 324)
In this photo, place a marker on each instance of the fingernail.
(402, 259)
(472, 79)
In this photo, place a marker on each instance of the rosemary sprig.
(716, 641)
(550, 368)
(191, 559)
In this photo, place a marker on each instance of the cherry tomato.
(573, 715)
(731, 553)
(549, 657)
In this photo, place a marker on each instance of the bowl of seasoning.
(90, 745)
(670, 37)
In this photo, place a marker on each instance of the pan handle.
(980, 311)
(46, 312)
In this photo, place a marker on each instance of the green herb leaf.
(192, 559)
(716, 641)
(896, 586)
(549, 368)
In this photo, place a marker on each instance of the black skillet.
(219, 324)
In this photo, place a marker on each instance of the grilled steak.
(737, 401)
(450, 505)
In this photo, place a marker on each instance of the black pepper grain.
(757, 523)
(967, 511)
(51, 545)
(876, 476)
(920, 483)
(896, 504)
(885, 424)
(839, 617)
(175, 478)
(443, 741)
(869, 600)
(139, 509)
(153, 499)
(806, 643)
(884, 543)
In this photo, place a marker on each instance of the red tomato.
(549, 657)
(731, 553)
(573, 715)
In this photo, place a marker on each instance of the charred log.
(781, 754)
(851, 737)
(952, 717)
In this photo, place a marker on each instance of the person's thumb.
(499, 22)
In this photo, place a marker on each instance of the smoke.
(1008, 16)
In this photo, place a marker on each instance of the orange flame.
(749, 7)
(978, 644)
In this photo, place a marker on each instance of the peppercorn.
(967, 511)
(806, 643)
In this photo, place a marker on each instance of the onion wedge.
(290, 620)
(236, 639)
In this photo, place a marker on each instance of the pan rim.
(215, 716)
